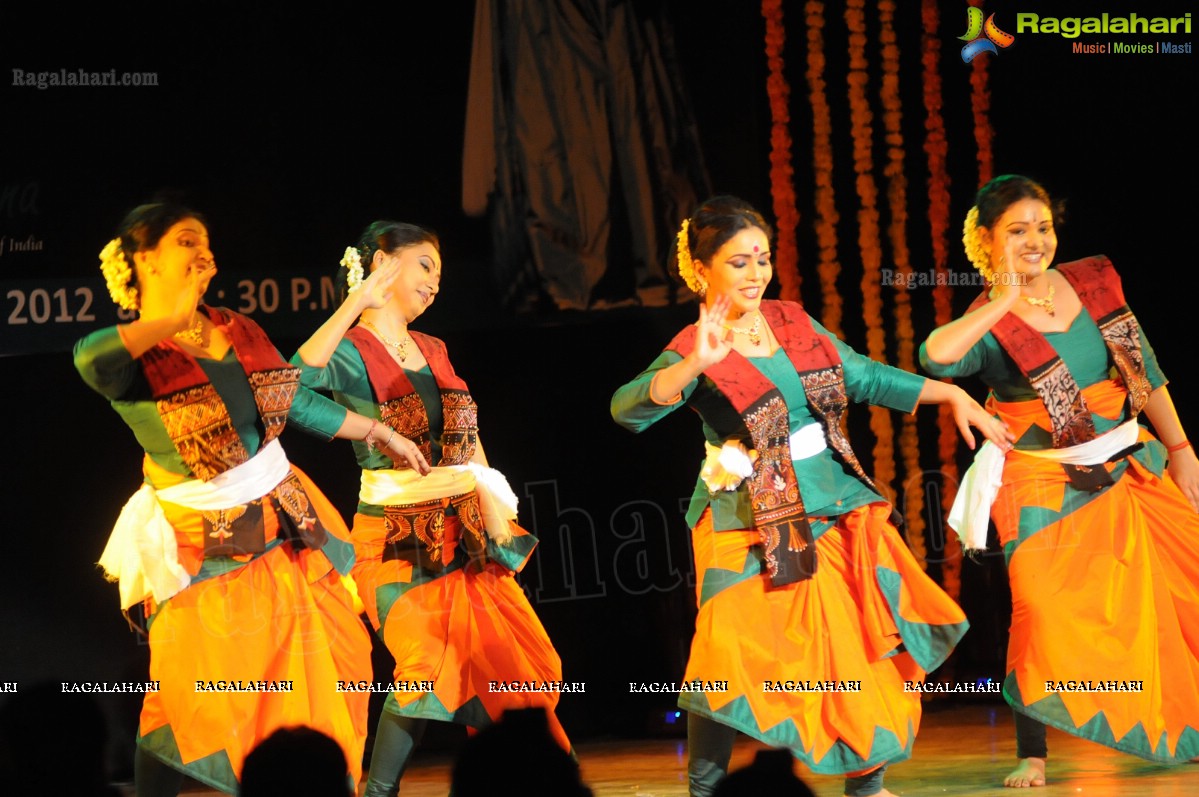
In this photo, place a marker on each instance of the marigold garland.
(936, 147)
(980, 103)
(782, 190)
(868, 237)
(905, 351)
(827, 217)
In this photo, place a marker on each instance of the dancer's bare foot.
(884, 793)
(1030, 772)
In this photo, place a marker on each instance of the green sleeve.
(345, 377)
(871, 382)
(634, 409)
(315, 414)
(104, 363)
(972, 362)
(344, 373)
(310, 411)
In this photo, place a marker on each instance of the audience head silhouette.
(297, 762)
(522, 736)
(772, 772)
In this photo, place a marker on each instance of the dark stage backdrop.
(292, 130)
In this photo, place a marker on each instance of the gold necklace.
(1046, 304)
(401, 346)
(194, 335)
(754, 332)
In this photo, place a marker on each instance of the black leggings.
(153, 778)
(1030, 737)
(710, 747)
(395, 739)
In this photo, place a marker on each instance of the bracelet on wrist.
(390, 437)
(1178, 446)
(369, 439)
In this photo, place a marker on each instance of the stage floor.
(961, 751)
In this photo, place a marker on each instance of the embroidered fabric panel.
(222, 521)
(236, 531)
(416, 532)
(274, 391)
(461, 419)
(775, 485)
(193, 412)
(407, 416)
(825, 389)
(1063, 401)
(425, 521)
(774, 491)
(1122, 334)
(198, 423)
(298, 523)
(241, 529)
(294, 501)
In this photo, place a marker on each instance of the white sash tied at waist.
(497, 502)
(141, 554)
(807, 441)
(727, 466)
(971, 511)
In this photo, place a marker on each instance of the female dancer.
(1097, 518)
(235, 553)
(436, 552)
(803, 579)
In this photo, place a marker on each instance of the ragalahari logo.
(982, 37)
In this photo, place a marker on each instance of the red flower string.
(782, 190)
(868, 237)
(822, 161)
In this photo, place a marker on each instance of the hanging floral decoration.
(782, 189)
(936, 148)
(980, 104)
(827, 218)
(861, 120)
(905, 335)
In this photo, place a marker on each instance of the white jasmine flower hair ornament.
(117, 274)
(352, 260)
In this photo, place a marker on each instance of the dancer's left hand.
(376, 289)
(967, 412)
(1184, 470)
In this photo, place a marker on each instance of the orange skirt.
(284, 620)
(819, 666)
(1105, 598)
(467, 644)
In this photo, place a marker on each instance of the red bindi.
(755, 248)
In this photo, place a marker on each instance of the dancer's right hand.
(713, 341)
(400, 449)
